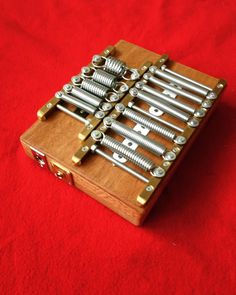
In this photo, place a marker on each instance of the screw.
(139, 85)
(107, 121)
(152, 69)
(124, 87)
(193, 122)
(97, 58)
(149, 188)
(133, 92)
(76, 80)
(220, 85)
(96, 134)
(49, 105)
(100, 115)
(170, 156)
(200, 113)
(120, 107)
(180, 140)
(207, 104)
(211, 95)
(67, 87)
(106, 106)
(85, 149)
(158, 172)
(59, 94)
(165, 164)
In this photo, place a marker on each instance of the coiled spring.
(153, 126)
(94, 88)
(143, 141)
(115, 66)
(124, 151)
(104, 78)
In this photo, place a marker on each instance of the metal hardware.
(122, 129)
(94, 88)
(152, 100)
(61, 172)
(95, 149)
(179, 81)
(148, 123)
(165, 98)
(149, 77)
(39, 157)
(173, 126)
(104, 78)
(193, 122)
(82, 95)
(79, 104)
(72, 114)
(115, 66)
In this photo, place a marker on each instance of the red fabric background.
(55, 239)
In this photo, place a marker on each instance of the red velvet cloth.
(55, 239)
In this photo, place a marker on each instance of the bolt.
(114, 97)
(120, 107)
(180, 140)
(176, 149)
(85, 70)
(124, 87)
(163, 67)
(49, 105)
(149, 188)
(100, 115)
(85, 149)
(193, 122)
(139, 85)
(170, 156)
(58, 94)
(166, 164)
(158, 172)
(152, 69)
(97, 58)
(135, 74)
(108, 121)
(133, 92)
(220, 85)
(211, 95)
(147, 76)
(207, 104)
(96, 135)
(76, 80)
(200, 113)
(67, 87)
(106, 106)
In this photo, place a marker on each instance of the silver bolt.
(124, 87)
(135, 74)
(114, 97)
(211, 95)
(152, 69)
(96, 135)
(147, 76)
(207, 104)
(76, 80)
(100, 115)
(170, 156)
(139, 85)
(180, 140)
(220, 85)
(200, 113)
(106, 106)
(58, 94)
(49, 105)
(120, 107)
(133, 92)
(166, 164)
(85, 149)
(176, 149)
(85, 70)
(193, 122)
(158, 172)
(67, 87)
(149, 188)
(107, 121)
(97, 58)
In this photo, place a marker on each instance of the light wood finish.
(57, 137)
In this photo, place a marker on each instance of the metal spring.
(143, 120)
(94, 88)
(115, 66)
(131, 155)
(104, 78)
(143, 141)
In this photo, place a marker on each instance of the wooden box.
(54, 142)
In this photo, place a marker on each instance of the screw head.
(106, 106)
(108, 121)
(200, 113)
(85, 148)
(152, 69)
(211, 95)
(67, 87)
(158, 172)
(139, 85)
(97, 58)
(58, 94)
(120, 107)
(49, 105)
(180, 140)
(170, 156)
(149, 188)
(85, 70)
(96, 135)
(100, 115)
(206, 104)
(133, 92)
(135, 74)
(147, 76)
(76, 80)
(193, 122)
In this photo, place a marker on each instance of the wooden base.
(57, 138)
